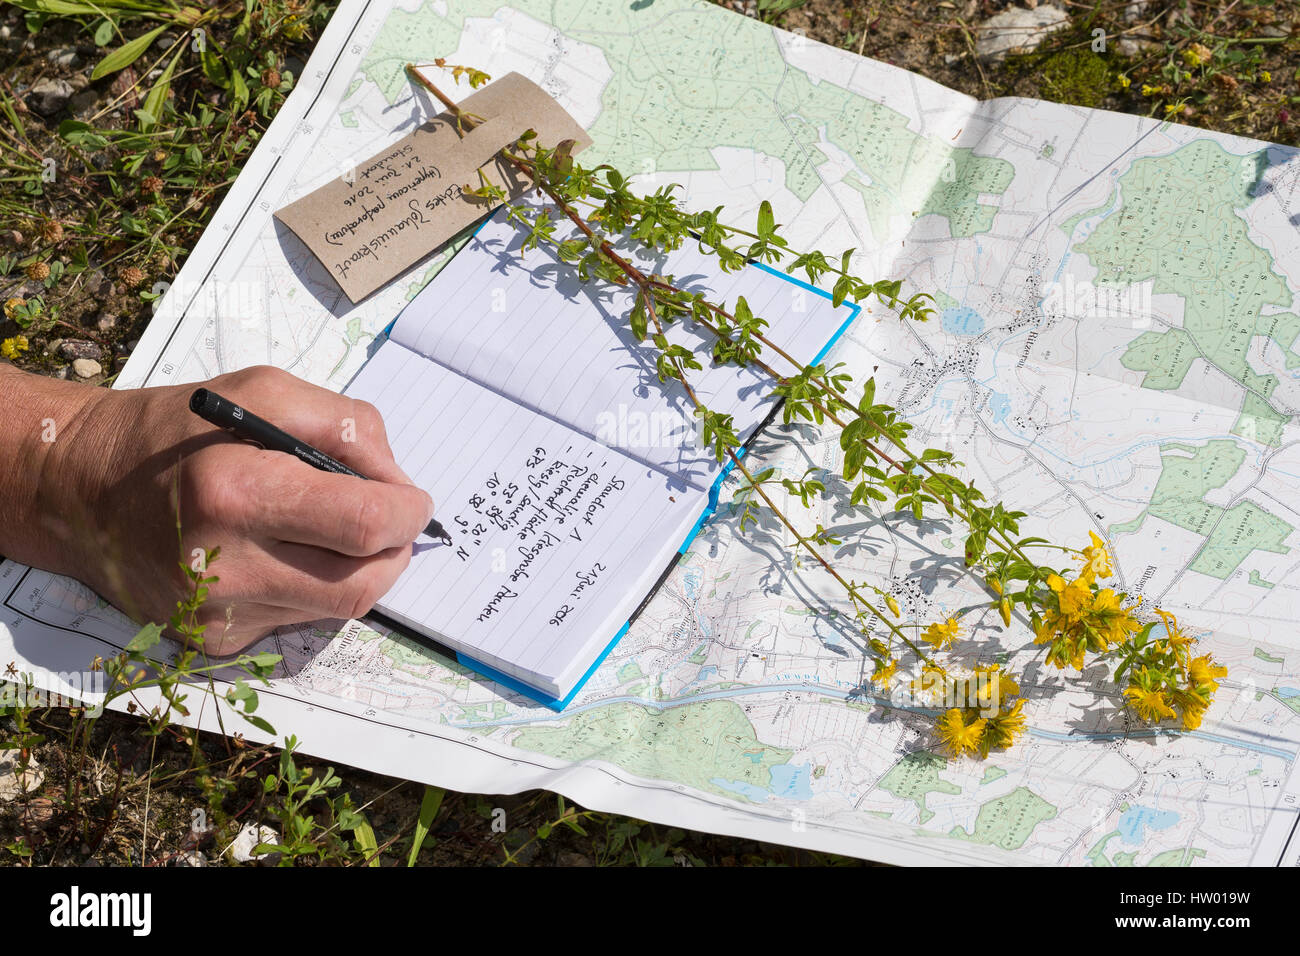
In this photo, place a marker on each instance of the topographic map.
(1114, 353)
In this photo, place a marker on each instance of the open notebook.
(567, 475)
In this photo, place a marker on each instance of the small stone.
(1134, 46)
(86, 368)
(61, 373)
(1136, 10)
(80, 349)
(1016, 30)
(79, 81)
(124, 89)
(49, 96)
(106, 322)
(190, 858)
(14, 781)
(241, 849)
(93, 282)
(53, 347)
(13, 237)
(65, 57)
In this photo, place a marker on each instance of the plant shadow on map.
(1275, 157)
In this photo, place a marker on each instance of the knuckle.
(369, 422)
(219, 496)
(365, 522)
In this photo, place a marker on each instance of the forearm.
(42, 419)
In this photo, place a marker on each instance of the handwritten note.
(377, 220)
(553, 533)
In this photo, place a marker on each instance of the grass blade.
(429, 807)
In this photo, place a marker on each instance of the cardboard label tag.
(404, 202)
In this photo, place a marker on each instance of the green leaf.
(766, 221)
(841, 289)
(126, 54)
(260, 723)
(365, 835)
(429, 806)
(145, 638)
(868, 395)
(153, 103)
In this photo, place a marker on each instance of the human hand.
(297, 544)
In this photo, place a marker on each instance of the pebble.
(105, 322)
(64, 56)
(86, 368)
(48, 96)
(241, 849)
(61, 372)
(80, 349)
(1016, 30)
(14, 784)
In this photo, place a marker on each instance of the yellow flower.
(1149, 90)
(1193, 708)
(892, 605)
(13, 347)
(1112, 622)
(989, 678)
(1075, 599)
(1175, 636)
(1150, 705)
(1004, 608)
(957, 735)
(932, 680)
(1203, 671)
(940, 636)
(1173, 109)
(1196, 54)
(1003, 729)
(12, 306)
(884, 673)
(1125, 82)
(1055, 582)
(995, 585)
(1096, 559)
(1265, 76)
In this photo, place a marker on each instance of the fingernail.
(431, 508)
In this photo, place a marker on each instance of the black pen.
(246, 426)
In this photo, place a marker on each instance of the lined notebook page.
(555, 536)
(530, 330)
